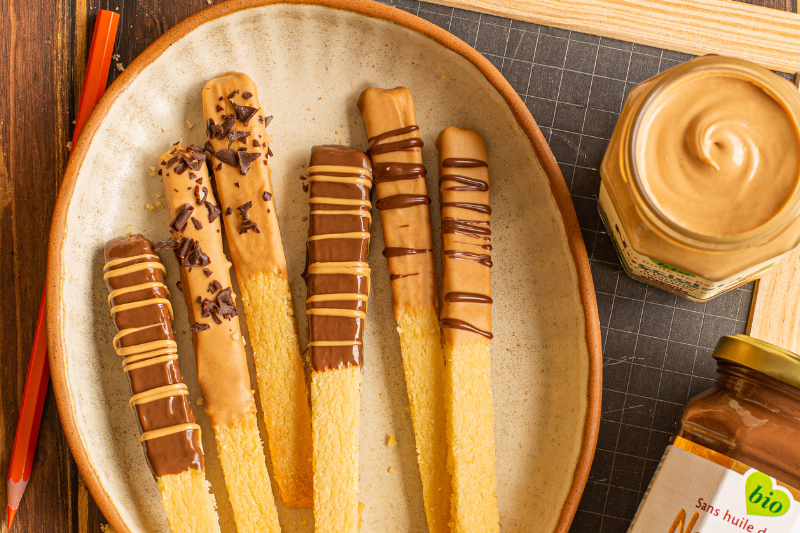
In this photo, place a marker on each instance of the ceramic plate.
(310, 61)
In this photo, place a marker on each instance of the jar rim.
(761, 356)
(673, 78)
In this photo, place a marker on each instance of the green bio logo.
(763, 499)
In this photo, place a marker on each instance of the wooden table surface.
(43, 51)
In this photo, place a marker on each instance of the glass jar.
(698, 193)
(734, 464)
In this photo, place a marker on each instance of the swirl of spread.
(718, 155)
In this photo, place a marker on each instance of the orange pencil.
(30, 415)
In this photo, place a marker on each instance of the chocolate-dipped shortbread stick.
(238, 140)
(399, 176)
(466, 320)
(337, 279)
(142, 314)
(219, 348)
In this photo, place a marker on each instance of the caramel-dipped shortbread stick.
(219, 348)
(399, 176)
(142, 314)
(337, 279)
(466, 320)
(238, 140)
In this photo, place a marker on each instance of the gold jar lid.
(773, 361)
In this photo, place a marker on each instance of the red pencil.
(30, 415)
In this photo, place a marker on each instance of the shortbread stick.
(395, 151)
(236, 127)
(138, 297)
(337, 279)
(221, 360)
(466, 320)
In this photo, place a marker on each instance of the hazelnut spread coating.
(206, 283)
(337, 274)
(138, 297)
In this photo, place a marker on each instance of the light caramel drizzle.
(171, 430)
(159, 393)
(134, 288)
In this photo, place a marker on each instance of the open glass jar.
(701, 179)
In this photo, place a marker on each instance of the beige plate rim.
(378, 11)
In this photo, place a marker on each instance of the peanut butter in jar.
(701, 180)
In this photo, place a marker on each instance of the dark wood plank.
(783, 5)
(36, 101)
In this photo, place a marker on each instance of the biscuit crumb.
(106, 528)
(392, 470)
(390, 440)
(130, 208)
(162, 128)
(151, 207)
(159, 204)
(303, 219)
(200, 401)
(441, 75)
(115, 57)
(189, 124)
(69, 145)
(120, 67)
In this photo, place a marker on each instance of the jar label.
(662, 274)
(696, 489)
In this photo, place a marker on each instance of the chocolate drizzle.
(337, 274)
(400, 201)
(141, 311)
(463, 284)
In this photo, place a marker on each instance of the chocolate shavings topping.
(244, 208)
(247, 95)
(228, 157)
(266, 196)
(207, 272)
(201, 194)
(237, 135)
(219, 108)
(268, 120)
(225, 304)
(190, 255)
(184, 212)
(245, 160)
(196, 223)
(208, 147)
(214, 286)
(198, 327)
(243, 112)
(213, 211)
(169, 244)
(229, 211)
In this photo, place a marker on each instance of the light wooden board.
(766, 36)
(773, 315)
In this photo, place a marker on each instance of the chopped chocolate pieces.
(220, 98)
(181, 167)
(196, 223)
(207, 307)
(225, 304)
(160, 171)
(198, 327)
(256, 144)
(218, 167)
(237, 135)
(199, 299)
(219, 108)
(305, 187)
(248, 225)
(169, 244)
(269, 152)
(208, 147)
(243, 112)
(245, 159)
(261, 118)
(247, 95)
(192, 158)
(178, 284)
(230, 121)
(199, 181)
(201, 194)
(234, 93)
(229, 211)
(214, 286)
(237, 184)
(190, 255)
(244, 208)
(172, 161)
(195, 148)
(213, 211)
(210, 128)
(184, 212)
(228, 157)
(265, 162)
(268, 120)
(266, 196)
(216, 318)
(207, 272)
